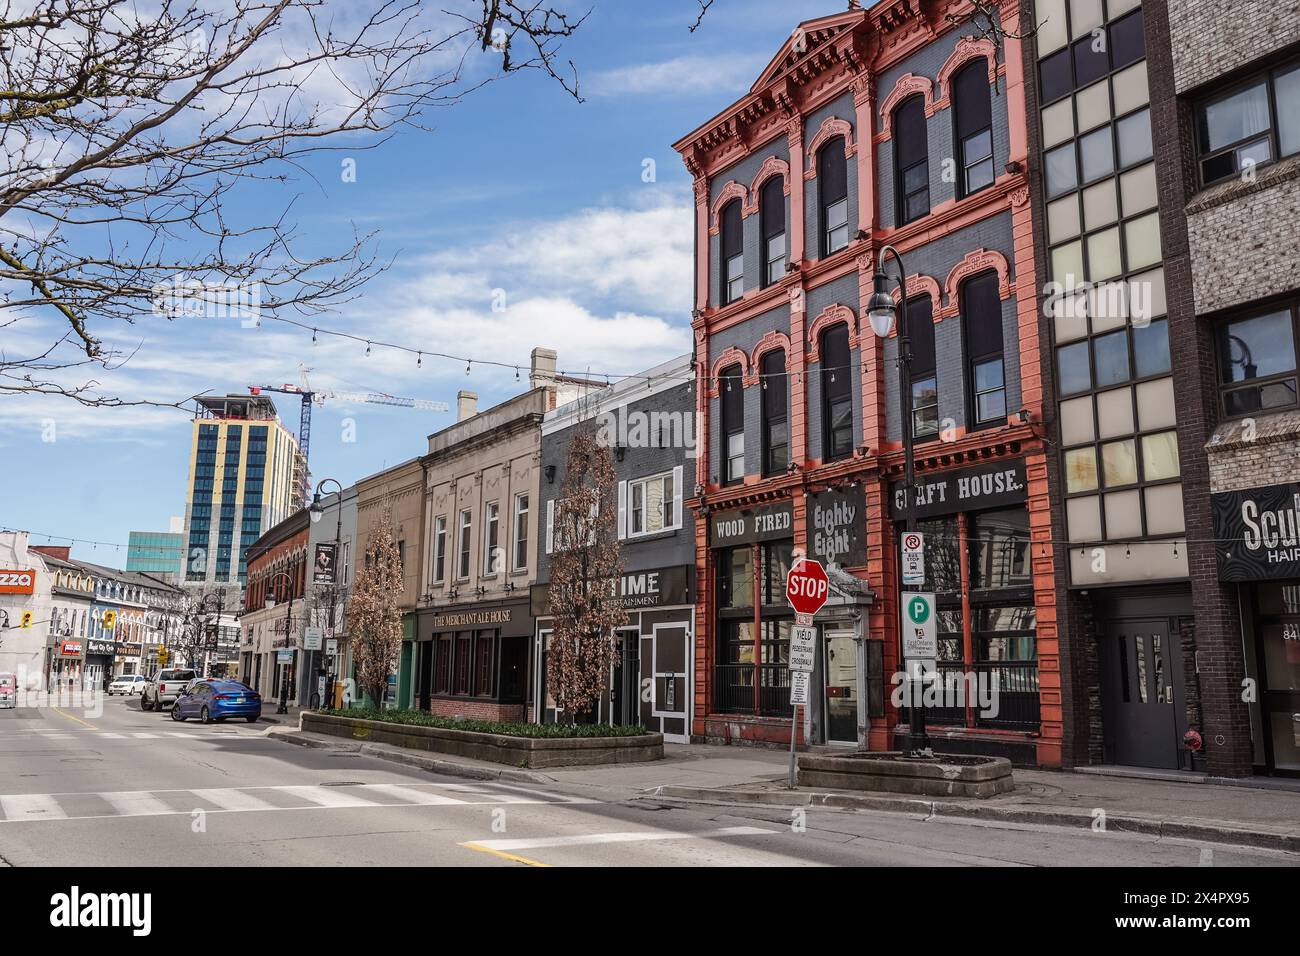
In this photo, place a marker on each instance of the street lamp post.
(317, 512)
(288, 627)
(220, 596)
(882, 311)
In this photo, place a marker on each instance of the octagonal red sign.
(806, 586)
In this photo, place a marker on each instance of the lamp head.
(880, 307)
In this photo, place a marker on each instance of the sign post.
(806, 588)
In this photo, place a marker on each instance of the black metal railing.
(1011, 689)
(734, 690)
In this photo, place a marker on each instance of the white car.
(127, 684)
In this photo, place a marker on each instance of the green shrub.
(422, 718)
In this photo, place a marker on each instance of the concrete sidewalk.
(752, 777)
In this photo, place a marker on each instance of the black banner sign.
(837, 527)
(748, 525)
(323, 570)
(637, 590)
(99, 647)
(1258, 532)
(993, 485)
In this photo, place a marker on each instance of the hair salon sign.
(1258, 532)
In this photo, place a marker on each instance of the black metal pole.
(920, 740)
(288, 626)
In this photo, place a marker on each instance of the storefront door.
(1138, 692)
(624, 688)
(841, 659)
(1277, 628)
(671, 684)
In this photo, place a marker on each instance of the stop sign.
(806, 586)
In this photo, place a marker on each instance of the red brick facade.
(848, 53)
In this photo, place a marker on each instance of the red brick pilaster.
(794, 136)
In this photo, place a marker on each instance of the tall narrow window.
(924, 380)
(521, 533)
(733, 253)
(491, 537)
(772, 210)
(776, 419)
(837, 394)
(911, 161)
(982, 310)
(974, 122)
(833, 194)
(731, 388)
(439, 548)
(463, 546)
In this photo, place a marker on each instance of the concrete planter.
(893, 773)
(498, 748)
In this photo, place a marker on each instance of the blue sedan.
(210, 700)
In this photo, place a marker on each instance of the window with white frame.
(651, 505)
(463, 546)
(521, 533)
(491, 536)
(439, 548)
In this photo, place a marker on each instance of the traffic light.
(110, 620)
(162, 657)
(27, 618)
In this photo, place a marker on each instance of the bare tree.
(374, 612)
(129, 128)
(585, 569)
(985, 17)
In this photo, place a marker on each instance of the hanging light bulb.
(516, 373)
(367, 348)
(467, 366)
(419, 359)
(313, 336)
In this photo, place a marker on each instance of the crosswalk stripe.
(329, 796)
(411, 795)
(178, 733)
(633, 836)
(31, 806)
(234, 800)
(107, 736)
(145, 736)
(136, 804)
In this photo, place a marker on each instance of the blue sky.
(518, 188)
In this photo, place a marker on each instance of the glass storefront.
(1277, 632)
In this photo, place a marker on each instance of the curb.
(1187, 828)
(412, 759)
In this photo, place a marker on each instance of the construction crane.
(320, 396)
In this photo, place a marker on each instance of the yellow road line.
(70, 717)
(512, 857)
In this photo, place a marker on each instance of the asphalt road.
(138, 789)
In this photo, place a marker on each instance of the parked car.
(166, 685)
(8, 690)
(210, 700)
(127, 685)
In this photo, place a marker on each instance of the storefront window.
(736, 690)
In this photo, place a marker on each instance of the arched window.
(921, 371)
(733, 253)
(837, 394)
(833, 196)
(732, 390)
(772, 213)
(776, 418)
(981, 310)
(974, 125)
(911, 161)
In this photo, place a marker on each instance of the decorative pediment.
(770, 342)
(831, 127)
(831, 316)
(967, 49)
(730, 356)
(918, 285)
(981, 260)
(772, 166)
(732, 190)
(909, 84)
(809, 40)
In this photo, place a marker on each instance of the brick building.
(872, 127)
(1161, 199)
(275, 608)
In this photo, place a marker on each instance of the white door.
(672, 684)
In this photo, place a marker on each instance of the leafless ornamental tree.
(131, 127)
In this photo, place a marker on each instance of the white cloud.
(689, 75)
